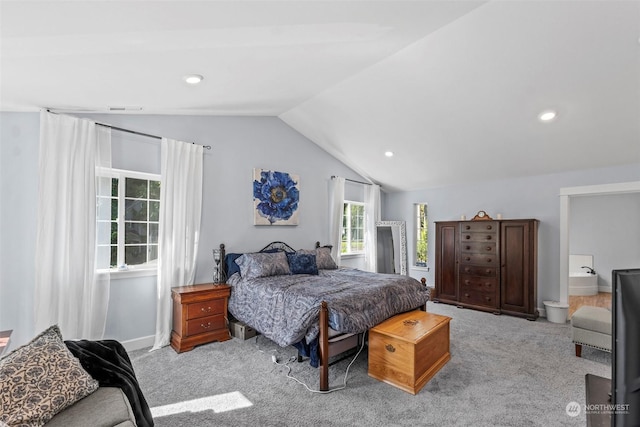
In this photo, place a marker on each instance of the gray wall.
(528, 197)
(607, 227)
(239, 145)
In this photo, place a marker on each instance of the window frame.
(348, 230)
(416, 235)
(148, 268)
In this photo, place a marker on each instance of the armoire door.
(447, 261)
(518, 241)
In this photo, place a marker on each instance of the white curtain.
(69, 289)
(371, 216)
(179, 231)
(336, 209)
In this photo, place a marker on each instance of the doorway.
(603, 299)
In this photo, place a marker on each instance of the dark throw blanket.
(108, 362)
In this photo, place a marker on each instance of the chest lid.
(411, 326)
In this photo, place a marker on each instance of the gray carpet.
(504, 371)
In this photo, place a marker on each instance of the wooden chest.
(199, 315)
(407, 350)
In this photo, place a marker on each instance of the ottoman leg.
(578, 350)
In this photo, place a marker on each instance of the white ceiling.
(453, 88)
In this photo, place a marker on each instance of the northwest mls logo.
(573, 409)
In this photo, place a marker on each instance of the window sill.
(126, 274)
(347, 256)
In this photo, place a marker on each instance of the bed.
(302, 298)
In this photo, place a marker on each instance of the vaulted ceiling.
(452, 88)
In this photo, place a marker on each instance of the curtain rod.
(135, 132)
(353, 180)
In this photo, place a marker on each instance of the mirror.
(391, 247)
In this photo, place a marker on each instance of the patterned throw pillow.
(302, 263)
(40, 379)
(324, 260)
(263, 264)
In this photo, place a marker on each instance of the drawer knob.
(488, 237)
(488, 271)
(488, 298)
(467, 269)
(467, 237)
(208, 325)
(205, 310)
(468, 247)
(488, 248)
(467, 281)
(467, 227)
(390, 348)
(488, 259)
(488, 227)
(466, 295)
(468, 258)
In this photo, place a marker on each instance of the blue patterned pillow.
(263, 264)
(302, 263)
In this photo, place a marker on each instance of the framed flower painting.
(276, 196)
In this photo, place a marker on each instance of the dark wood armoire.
(488, 265)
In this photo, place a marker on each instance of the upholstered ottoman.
(591, 326)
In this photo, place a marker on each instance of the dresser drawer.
(482, 226)
(476, 270)
(475, 297)
(478, 247)
(479, 259)
(474, 283)
(205, 308)
(477, 237)
(205, 324)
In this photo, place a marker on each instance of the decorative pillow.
(263, 264)
(40, 379)
(302, 263)
(324, 260)
(232, 266)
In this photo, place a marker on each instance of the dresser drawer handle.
(488, 237)
(467, 237)
(488, 227)
(488, 248)
(468, 258)
(468, 247)
(467, 269)
(205, 310)
(466, 295)
(488, 298)
(390, 348)
(468, 227)
(488, 271)
(208, 325)
(467, 282)
(488, 259)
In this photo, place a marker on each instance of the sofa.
(51, 382)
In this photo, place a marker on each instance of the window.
(352, 228)
(421, 234)
(129, 219)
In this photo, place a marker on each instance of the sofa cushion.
(107, 407)
(40, 379)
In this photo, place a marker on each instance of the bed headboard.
(277, 246)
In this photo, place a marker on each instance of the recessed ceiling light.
(547, 116)
(388, 153)
(193, 79)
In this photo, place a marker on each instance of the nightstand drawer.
(205, 324)
(205, 308)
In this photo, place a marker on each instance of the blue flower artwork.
(276, 196)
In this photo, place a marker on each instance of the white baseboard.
(139, 343)
(604, 289)
(542, 312)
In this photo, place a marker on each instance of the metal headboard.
(278, 246)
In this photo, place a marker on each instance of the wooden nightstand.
(199, 315)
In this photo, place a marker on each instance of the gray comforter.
(286, 308)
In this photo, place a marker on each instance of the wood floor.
(603, 299)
